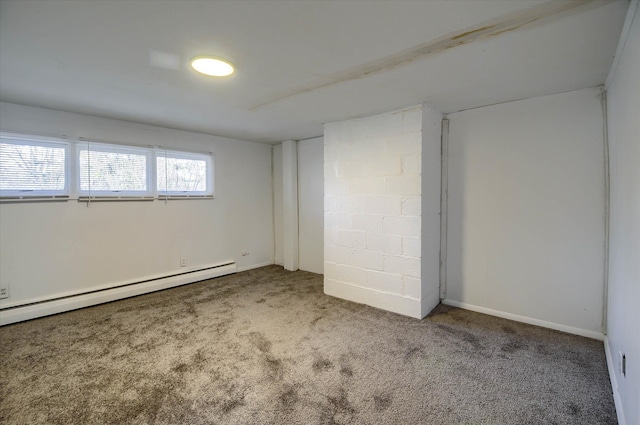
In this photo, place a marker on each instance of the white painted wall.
(373, 210)
(430, 232)
(311, 204)
(526, 211)
(48, 249)
(623, 318)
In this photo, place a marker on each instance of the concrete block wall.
(373, 210)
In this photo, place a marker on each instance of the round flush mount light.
(212, 66)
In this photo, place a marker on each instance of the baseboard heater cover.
(59, 305)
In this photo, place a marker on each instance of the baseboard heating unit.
(72, 301)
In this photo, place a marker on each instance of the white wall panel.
(526, 210)
(623, 100)
(311, 204)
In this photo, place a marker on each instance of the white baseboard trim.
(394, 303)
(614, 382)
(60, 305)
(524, 319)
(254, 266)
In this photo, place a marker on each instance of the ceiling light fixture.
(212, 66)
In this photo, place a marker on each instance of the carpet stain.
(339, 409)
(190, 309)
(141, 400)
(411, 352)
(198, 358)
(288, 397)
(229, 405)
(222, 325)
(463, 335)
(273, 366)
(541, 349)
(260, 341)
(573, 409)
(321, 365)
(508, 329)
(346, 369)
(148, 403)
(382, 401)
(513, 345)
(181, 368)
(230, 397)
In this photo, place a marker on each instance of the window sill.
(114, 198)
(56, 198)
(179, 197)
(44, 198)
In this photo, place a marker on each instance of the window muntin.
(32, 167)
(183, 173)
(113, 170)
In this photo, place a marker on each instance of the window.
(39, 168)
(183, 174)
(32, 167)
(113, 170)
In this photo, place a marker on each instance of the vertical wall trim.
(273, 205)
(297, 205)
(290, 203)
(607, 182)
(444, 197)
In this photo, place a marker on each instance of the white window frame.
(50, 142)
(72, 174)
(87, 145)
(171, 153)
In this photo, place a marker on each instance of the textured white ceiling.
(299, 63)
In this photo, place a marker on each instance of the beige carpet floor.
(268, 347)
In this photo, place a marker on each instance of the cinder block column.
(373, 209)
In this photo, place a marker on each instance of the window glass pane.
(112, 171)
(181, 174)
(30, 167)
